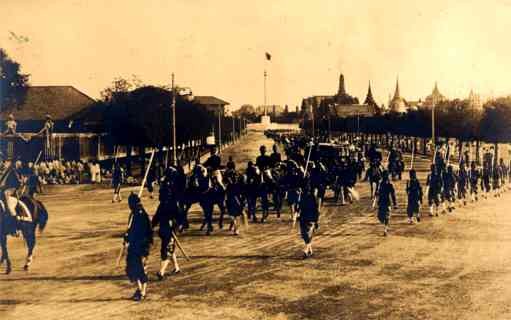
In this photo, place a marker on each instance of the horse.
(31, 215)
(207, 191)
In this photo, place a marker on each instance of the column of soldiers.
(302, 181)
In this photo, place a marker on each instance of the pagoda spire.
(342, 88)
(369, 98)
(396, 93)
(435, 89)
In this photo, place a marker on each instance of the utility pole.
(233, 129)
(313, 124)
(219, 129)
(174, 144)
(433, 140)
(265, 101)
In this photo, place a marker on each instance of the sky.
(218, 47)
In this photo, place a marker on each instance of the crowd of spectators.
(62, 172)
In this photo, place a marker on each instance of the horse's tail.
(42, 218)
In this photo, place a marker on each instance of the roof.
(61, 102)
(209, 100)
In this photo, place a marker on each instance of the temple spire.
(435, 89)
(342, 89)
(369, 98)
(396, 93)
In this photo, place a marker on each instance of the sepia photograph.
(255, 160)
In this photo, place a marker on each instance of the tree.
(13, 83)
(496, 123)
(119, 88)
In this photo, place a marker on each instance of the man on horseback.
(214, 161)
(18, 213)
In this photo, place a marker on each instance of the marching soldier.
(486, 180)
(117, 177)
(292, 182)
(373, 175)
(497, 178)
(450, 180)
(474, 175)
(234, 199)
(462, 183)
(414, 192)
(309, 215)
(166, 217)
(263, 161)
(252, 184)
(386, 197)
(434, 184)
(214, 161)
(138, 239)
(318, 181)
(275, 157)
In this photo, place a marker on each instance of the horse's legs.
(29, 235)
(207, 208)
(5, 254)
(264, 205)
(221, 205)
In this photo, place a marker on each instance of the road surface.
(456, 266)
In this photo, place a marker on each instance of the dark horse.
(208, 191)
(9, 225)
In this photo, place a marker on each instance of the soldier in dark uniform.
(166, 217)
(449, 185)
(497, 179)
(462, 183)
(234, 198)
(374, 174)
(275, 157)
(263, 161)
(434, 184)
(179, 189)
(414, 192)
(486, 180)
(318, 181)
(292, 184)
(373, 154)
(350, 179)
(309, 216)
(474, 176)
(214, 161)
(339, 184)
(251, 190)
(138, 239)
(386, 196)
(230, 163)
(117, 177)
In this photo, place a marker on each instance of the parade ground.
(456, 266)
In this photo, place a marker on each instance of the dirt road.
(456, 266)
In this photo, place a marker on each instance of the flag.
(268, 56)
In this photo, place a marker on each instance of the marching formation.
(300, 178)
(295, 184)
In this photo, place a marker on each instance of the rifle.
(179, 246)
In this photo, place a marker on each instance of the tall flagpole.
(265, 101)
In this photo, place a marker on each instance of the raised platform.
(273, 126)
